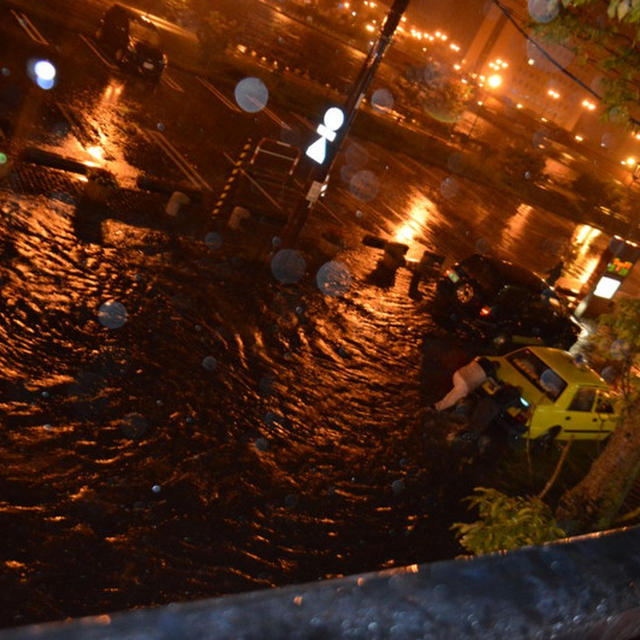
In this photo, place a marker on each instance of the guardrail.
(583, 588)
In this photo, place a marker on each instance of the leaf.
(611, 9)
(623, 9)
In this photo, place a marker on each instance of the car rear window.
(538, 373)
(493, 273)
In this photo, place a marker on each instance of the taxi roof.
(564, 364)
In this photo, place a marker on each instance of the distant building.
(539, 84)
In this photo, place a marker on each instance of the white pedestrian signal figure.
(333, 119)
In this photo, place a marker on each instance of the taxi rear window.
(538, 373)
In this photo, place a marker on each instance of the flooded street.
(182, 418)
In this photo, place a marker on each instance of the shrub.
(506, 522)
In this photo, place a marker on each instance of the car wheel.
(465, 293)
(544, 441)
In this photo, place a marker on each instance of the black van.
(133, 41)
(504, 303)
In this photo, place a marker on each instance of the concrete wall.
(583, 588)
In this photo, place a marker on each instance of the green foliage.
(616, 344)
(505, 522)
(214, 34)
(601, 192)
(522, 164)
(607, 34)
(436, 87)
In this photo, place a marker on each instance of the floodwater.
(180, 420)
(219, 431)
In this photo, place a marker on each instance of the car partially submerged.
(557, 398)
(504, 303)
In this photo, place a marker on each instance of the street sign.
(333, 120)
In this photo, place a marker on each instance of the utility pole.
(321, 171)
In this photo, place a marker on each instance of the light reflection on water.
(420, 211)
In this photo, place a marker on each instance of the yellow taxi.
(559, 398)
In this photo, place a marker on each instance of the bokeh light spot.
(210, 363)
(42, 72)
(543, 10)
(333, 278)
(364, 185)
(382, 100)
(449, 188)
(251, 95)
(112, 314)
(288, 266)
(213, 240)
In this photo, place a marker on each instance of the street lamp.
(493, 82)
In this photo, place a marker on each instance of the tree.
(595, 501)
(437, 87)
(214, 35)
(521, 164)
(598, 191)
(604, 35)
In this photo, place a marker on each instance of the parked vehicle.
(504, 303)
(557, 397)
(133, 41)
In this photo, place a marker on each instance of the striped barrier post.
(237, 167)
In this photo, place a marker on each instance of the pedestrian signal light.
(333, 120)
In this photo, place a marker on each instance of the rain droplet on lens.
(455, 162)
(288, 266)
(356, 155)
(209, 363)
(607, 141)
(156, 488)
(333, 278)
(251, 94)
(397, 486)
(265, 385)
(276, 241)
(543, 11)
(290, 501)
(364, 185)
(112, 314)
(619, 349)
(358, 214)
(382, 100)
(134, 425)
(261, 444)
(160, 126)
(449, 188)
(213, 240)
(609, 374)
(482, 246)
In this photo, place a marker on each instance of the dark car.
(133, 41)
(504, 303)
